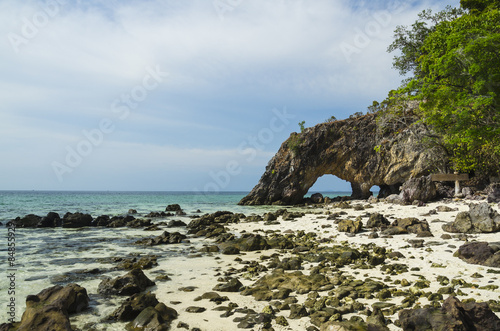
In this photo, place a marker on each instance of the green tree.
(456, 78)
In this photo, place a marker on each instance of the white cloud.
(261, 55)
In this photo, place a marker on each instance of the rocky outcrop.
(480, 218)
(133, 282)
(482, 253)
(50, 309)
(355, 150)
(453, 315)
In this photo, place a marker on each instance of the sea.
(44, 257)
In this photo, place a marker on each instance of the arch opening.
(331, 186)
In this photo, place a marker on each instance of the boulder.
(484, 218)
(233, 285)
(164, 239)
(102, 220)
(133, 306)
(419, 189)
(173, 207)
(132, 211)
(50, 309)
(248, 242)
(133, 282)
(28, 221)
(350, 226)
(176, 224)
(317, 198)
(156, 318)
(50, 221)
(480, 218)
(377, 220)
(482, 253)
(76, 220)
(493, 193)
(452, 316)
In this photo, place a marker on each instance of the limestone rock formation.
(355, 150)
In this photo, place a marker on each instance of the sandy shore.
(193, 276)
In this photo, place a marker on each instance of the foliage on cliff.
(453, 59)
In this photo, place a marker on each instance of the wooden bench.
(456, 177)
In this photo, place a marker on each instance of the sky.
(192, 95)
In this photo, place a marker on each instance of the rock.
(193, 309)
(493, 193)
(133, 306)
(176, 224)
(453, 315)
(230, 250)
(481, 218)
(28, 221)
(480, 253)
(132, 211)
(156, 318)
(421, 189)
(76, 220)
(50, 309)
(416, 243)
(249, 242)
(352, 326)
(317, 198)
(145, 262)
(484, 218)
(377, 220)
(298, 311)
(335, 148)
(164, 239)
(350, 226)
(133, 282)
(51, 220)
(174, 207)
(462, 224)
(102, 220)
(444, 209)
(395, 199)
(233, 285)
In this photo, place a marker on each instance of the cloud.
(66, 63)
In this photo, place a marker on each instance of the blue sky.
(181, 95)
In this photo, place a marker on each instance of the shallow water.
(55, 256)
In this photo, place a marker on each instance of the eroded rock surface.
(353, 149)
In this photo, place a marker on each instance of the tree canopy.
(453, 60)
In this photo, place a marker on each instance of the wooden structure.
(456, 177)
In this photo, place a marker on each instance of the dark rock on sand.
(350, 226)
(482, 253)
(377, 220)
(481, 218)
(156, 318)
(164, 239)
(50, 309)
(408, 225)
(76, 220)
(133, 306)
(133, 282)
(233, 285)
(453, 315)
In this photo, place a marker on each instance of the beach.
(411, 264)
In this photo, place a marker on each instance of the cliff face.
(352, 150)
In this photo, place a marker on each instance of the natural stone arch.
(352, 150)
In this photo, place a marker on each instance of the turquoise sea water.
(48, 256)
